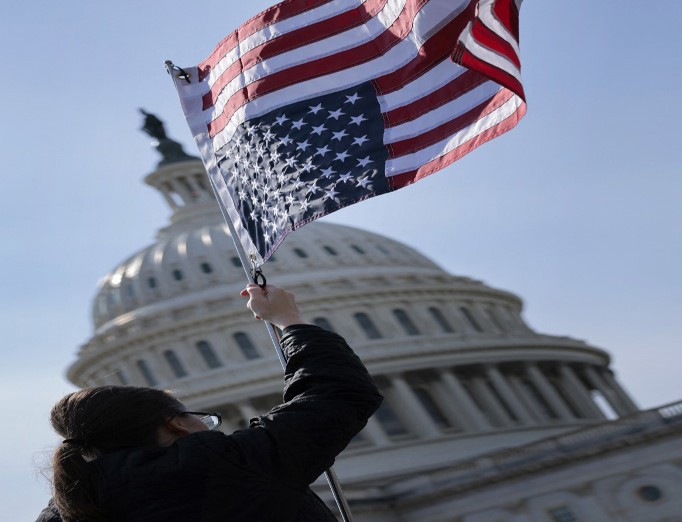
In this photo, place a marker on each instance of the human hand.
(273, 304)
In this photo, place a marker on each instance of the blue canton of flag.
(303, 161)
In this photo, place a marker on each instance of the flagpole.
(330, 474)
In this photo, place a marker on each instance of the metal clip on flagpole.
(255, 275)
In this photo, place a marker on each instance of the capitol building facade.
(485, 420)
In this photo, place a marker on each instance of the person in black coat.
(136, 454)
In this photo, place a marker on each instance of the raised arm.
(328, 392)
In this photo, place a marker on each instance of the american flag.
(314, 105)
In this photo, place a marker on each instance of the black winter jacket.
(258, 474)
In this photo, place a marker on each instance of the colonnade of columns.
(484, 398)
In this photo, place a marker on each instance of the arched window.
(206, 268)
(151, 282)
(330, 251)
(367, 325)
(429, 404)
(300, 252)
(146, 372)
(405, 322)
(357, 249)
(470, 318)
(441, 320)
(175, 363)
(562, 514)
(323, 322)
(246, 346)
(493, 319)
(208, 354)
(177, 275)
(236, 261)
(389, 421)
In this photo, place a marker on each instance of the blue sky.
(577, 210)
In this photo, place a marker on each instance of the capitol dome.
(461, 371)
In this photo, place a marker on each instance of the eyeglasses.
(211, 420)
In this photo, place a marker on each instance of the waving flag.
(314, 105)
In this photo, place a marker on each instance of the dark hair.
(95, 421)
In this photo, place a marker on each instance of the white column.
(412, 410)
(622, 394)
(508, 395)
(374, 433)
(610, 395)
(548, 392)
(529, 401)
(247, 411)
(496, 409)
(464, 407)
(584, 399)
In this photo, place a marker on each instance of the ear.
(177, 426)
(170, 431)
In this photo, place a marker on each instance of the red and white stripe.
(435, 110)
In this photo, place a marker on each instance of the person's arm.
(328, 394)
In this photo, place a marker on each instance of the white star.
(254, 200)
(302, 145)
(266, 236)
(260, 150)
(318, 130)
(298, 124)
(359, 141)
(275, 156)
(327, 173)
(268, 135)
(313, 188)
(315, 108)
(345, 177)
(336, 114)
(281, 178)
(281, 119)
(304, 205)
(364, 162)
(339, 135)
(363, 182)
(285, 140)
(322, 151)
(268, 173)
(330, 194)
(341, 156)
(254, 184)
(265, 221)
(244, 178)
(358, 119)
(308, 165)
(352, 99)
(289, 199)
(291, 162)
(242, 195)
(254, 216)
(297, 184)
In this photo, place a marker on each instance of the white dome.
(185, 261)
